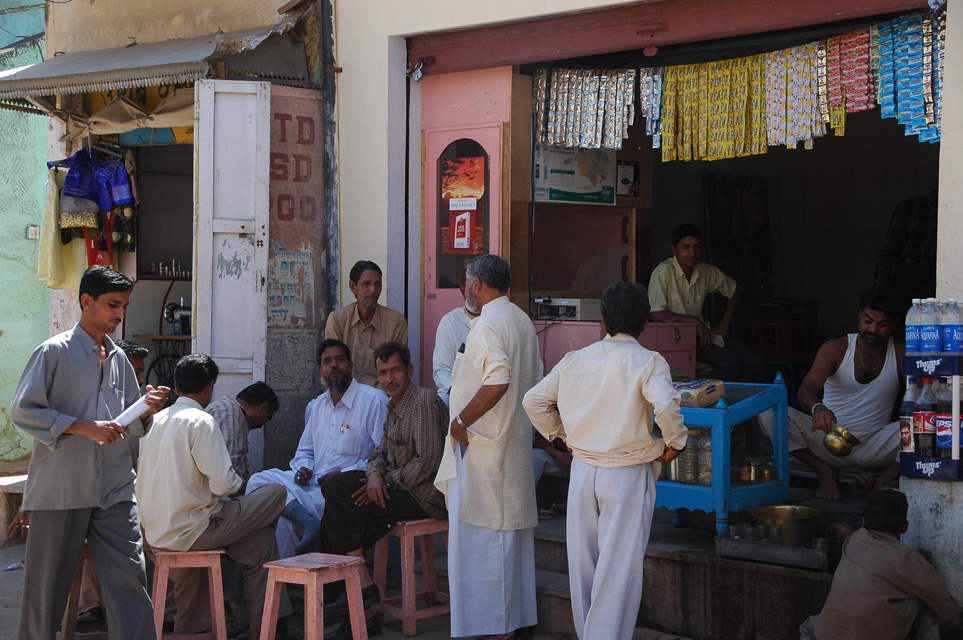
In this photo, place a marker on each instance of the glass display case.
(725, 490)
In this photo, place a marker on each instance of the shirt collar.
(375, 319)
(189, 402)
(885, 535)
(407, 401)
(348, 398)
(620, 337)
(679, 273)
(492, 304)
(88, 341)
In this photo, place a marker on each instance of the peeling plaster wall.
(23, 311)
(90, 25)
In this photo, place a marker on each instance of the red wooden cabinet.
(676, 341)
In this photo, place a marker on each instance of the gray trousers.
(53, 551)
(244, 529)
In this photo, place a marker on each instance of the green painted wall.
(24, 303)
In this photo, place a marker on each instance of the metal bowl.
(839, 442)
(797, 524)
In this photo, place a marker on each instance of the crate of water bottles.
(929, 415)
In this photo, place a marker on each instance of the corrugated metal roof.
(137, 65)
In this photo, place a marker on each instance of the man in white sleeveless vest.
(860, 376)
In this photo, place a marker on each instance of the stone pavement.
(431, 629)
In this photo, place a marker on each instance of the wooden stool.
(68, 628)
(164, 561)
(404, 607)
(313, 571)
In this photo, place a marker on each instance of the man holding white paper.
(69, 396)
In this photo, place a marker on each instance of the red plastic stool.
(404, 606)
(312, 571)
(164, 561)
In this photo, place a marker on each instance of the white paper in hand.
(132, 412)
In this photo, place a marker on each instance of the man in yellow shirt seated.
(677, 291)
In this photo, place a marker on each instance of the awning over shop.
(136, 65)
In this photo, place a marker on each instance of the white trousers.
(875, 450)
(491, 573)
(607, 531)
(287, 533)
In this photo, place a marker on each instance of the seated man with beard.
(341, 429)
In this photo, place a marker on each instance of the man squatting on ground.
(81, 482)
(860, 376)
(606, 394)
(882, 589)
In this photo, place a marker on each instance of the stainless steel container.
(797, 524)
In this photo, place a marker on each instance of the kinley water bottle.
(931, 335)
(913, 319)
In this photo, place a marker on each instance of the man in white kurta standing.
(486, 468)
(342, 427)
(605, 395)
(452, 333)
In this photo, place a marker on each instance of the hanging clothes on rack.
(60, 264)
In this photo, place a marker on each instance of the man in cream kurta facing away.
(486, 468)
(184, 476)
(605, 395)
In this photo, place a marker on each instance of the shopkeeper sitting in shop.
(860, 378)
(677, 291)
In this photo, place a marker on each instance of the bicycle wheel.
(161, 373)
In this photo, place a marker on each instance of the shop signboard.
(584, 176)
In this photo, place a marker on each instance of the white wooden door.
(232, 129)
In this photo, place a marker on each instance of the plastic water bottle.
(913, 320)
(931, 335)
(689, 459)
(952, 321)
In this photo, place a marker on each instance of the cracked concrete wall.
(24, 307)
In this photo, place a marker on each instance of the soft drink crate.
(933, 364)
(930, 468)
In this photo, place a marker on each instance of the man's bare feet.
(828, 487)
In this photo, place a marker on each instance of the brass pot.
(839, 442)
(797, 524)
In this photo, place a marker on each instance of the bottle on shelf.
(689, 459)
(704, 457)
(907, 408)
(944, 422)
(924, 421)
(931, 335)
(913, 321)
(951, 320)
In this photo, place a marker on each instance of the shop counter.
(675, 341)
(741, 402)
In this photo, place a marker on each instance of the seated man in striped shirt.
(398, 484)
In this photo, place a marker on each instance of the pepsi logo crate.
(929, 468)
(932, 364)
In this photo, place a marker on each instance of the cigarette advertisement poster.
(462, 195)
(574, 175)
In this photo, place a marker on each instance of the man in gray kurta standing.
(81, 481)
(486, 469)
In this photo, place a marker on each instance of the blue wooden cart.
(741, 402)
